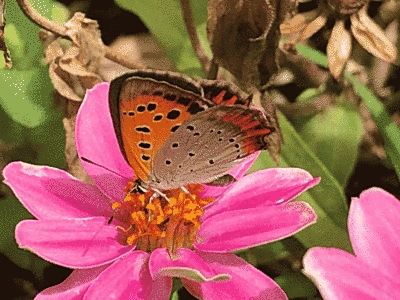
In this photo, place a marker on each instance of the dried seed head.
(371, 37)
(347, 7)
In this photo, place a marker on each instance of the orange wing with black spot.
(146, 108)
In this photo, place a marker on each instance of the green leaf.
(59, 13)
(11, 132)
(27, 33)
(176, 286)
(264, 254)
(12, 212)
(165, 21)
(16, 45)
(313, 54)
(339, 125)
(297, 154)
(174, 296)
(327, 198)
(386, 125)
(49, 139)
(296, 285)
(25, 95)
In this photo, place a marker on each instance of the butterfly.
(174, 130)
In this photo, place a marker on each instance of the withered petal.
(299, 22)
(338, 49)
(371, 37)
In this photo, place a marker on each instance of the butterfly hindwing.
(224, 93)
(208, 145)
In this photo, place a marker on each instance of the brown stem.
(307, 73)
(213, 71)
(60, 30)
(194, 39)
(298, 109)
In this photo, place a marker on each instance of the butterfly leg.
(138, 187)
(158, 193)
(185, 190)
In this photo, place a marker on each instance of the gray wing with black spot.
(208, 145)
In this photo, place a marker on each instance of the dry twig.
(194, 39)
(60, 30)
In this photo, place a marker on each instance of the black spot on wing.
(170, 96)
(194, 108)
(144, 145)
(184, 100)
(143, 129)
(158, 117)
(173, 114)
(151, 106)
(175, 128)
(145, 157)
(157, 93)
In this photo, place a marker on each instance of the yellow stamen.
(169, 224)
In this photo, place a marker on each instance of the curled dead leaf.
(313, 27)
(371, 37)
(338, 49)
(244, 37)
(75, 69)
(299, 22)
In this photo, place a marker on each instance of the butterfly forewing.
(146, 112)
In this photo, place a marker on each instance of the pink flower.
(372, 271)
(137, 254)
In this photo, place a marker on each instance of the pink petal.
(237, 172)
(374, 224)
(52, 193)
(74, 287)
(266, 187)
(129, 278)
(184, 263)
(73, 243)
(96, 141)
(340, 275)
(241, 229)
(246, 281)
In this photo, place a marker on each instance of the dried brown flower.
(368, 34)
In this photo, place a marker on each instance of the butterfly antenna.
(96, 164)
(108, 222)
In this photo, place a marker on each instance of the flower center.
(152, 222)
